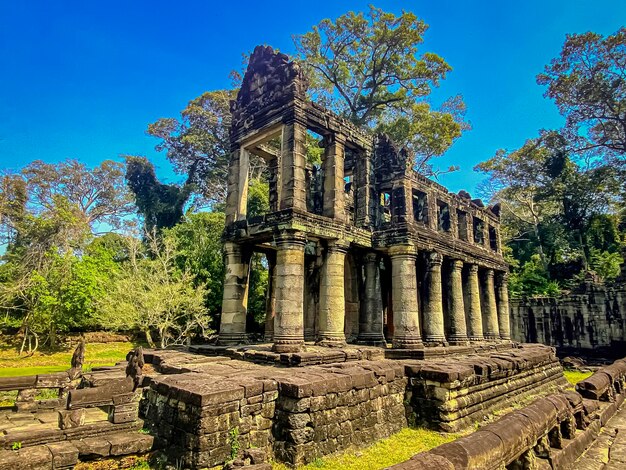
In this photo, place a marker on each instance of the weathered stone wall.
(454, 394)
(204, 410)
(552, 432)
(589, 318)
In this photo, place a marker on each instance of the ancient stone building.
(590, 317)
(360, 247)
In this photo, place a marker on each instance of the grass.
(43, 362)
(384, 453)
(575, 376)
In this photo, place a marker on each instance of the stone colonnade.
(449, 302)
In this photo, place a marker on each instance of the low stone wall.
(454, 394)
(208, 408)
(552, 432)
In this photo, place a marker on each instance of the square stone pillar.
(311, 299)
(236, 165)
(333, 164)
(270, 298)
(458, 327)
(472, 306)
(332, 296)
(406, 324)
(371, 311)
(434, 330)
(490, 311)
(293, 166)
(289, 317)
(235, 299)
(502, 300)
(365, 204)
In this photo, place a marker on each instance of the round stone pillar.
(404, 305)
(434, 330)
(289, 292)
(502, 294)
(458, 327)
(491, 330)
(371, 308)
(235, 297)
(474, 314)
(332, 297)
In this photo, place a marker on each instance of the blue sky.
(83, 79)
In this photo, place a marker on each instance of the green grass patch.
(384, 453)
(43, 362)
(575, 376)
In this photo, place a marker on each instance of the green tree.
(152, 294)
(368, 68)
(161, 205)
(588, 84)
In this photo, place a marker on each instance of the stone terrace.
(297, 414)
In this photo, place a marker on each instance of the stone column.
(270, 299)
(332, 296)
(365, 193)
(288, 322)
(233, 186)
(292, 167)
(502, 299)
(334, 200)
(474, 314)
(311, 291)
(235, 299)
(458, 328)
(371, 311)
(491, 331)
(406, 323)
(434, 331)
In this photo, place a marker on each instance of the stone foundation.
(551, 433)
(202, 409)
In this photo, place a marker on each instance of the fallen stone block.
(64, 454)
(130, 443)
(91, 447)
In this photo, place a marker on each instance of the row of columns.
(475, 312)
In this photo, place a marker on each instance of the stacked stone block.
(552, 432)
(340, 407)
(451, 395)
(204, 421)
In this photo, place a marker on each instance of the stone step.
(66, 454)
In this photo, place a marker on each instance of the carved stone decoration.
(388, 158)
(134, 369)
(270, 79)
(78, 358)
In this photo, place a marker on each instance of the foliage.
(198, 143)
(233, 441)
(557, 207)
(154, 295)
(199, 251)
(368, 68)
(161, 205)
(532, 279)
(588, 84)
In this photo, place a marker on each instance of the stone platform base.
(315, 355)
(198, 406)
(310, 355)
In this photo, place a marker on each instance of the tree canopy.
(368, 68)
(588, 84)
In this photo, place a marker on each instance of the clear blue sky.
(83, 79)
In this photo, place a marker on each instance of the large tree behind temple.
(588, 84)
(161, 205)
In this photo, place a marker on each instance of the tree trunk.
(149, 338)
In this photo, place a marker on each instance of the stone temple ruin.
(362, 252)
(361, 248)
